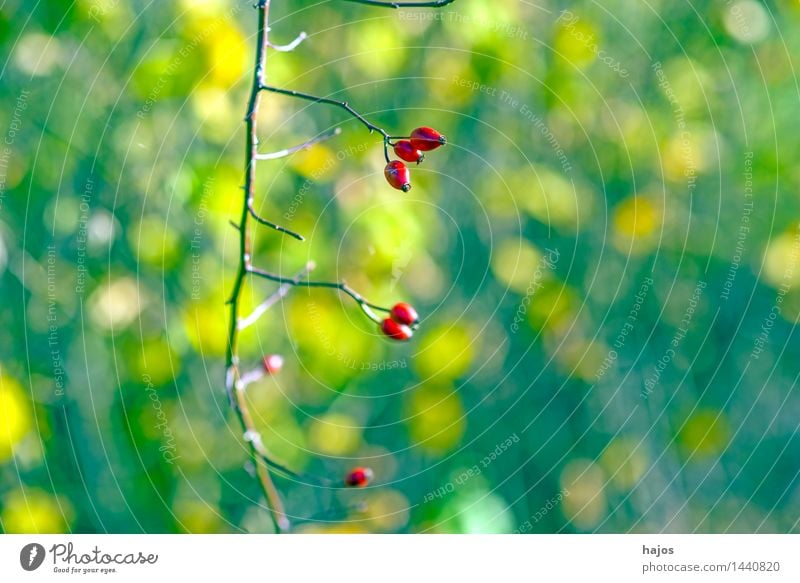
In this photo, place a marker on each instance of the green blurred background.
(604, 258)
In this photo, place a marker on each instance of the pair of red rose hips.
(421, 140)
(402, 318)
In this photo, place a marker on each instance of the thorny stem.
(234, 383)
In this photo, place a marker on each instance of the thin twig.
(433, 4)
(279, 294)
(317, 99)
(234, 384)
(365, 305)
(281, 229)
(291, 46)
(305, 145)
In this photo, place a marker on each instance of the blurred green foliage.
(603, 163)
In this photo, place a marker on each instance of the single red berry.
(407, 152)
(395, 330)
(426, 139)
(397, 175)
(403, 313)
(358, 477)
(273, 363)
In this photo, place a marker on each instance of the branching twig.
(317, 99)
(259, 219)
(365, 305)
(291, 46)
(236, 381)
(307, 144)
(432, 4)
(233, 376)
(273, 299)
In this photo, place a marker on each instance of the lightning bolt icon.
(34, 552)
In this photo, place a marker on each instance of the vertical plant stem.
(235, 386)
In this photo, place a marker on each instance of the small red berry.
(407, 152)
(358, 477)
(426, 139)
(395, 330)
(403, 313)
(273, 363)
(397, 175)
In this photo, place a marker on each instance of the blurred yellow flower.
(114, 305)
(386, 510)
(35, 511)
(705, 433)
(552, 306)
(437, 418)
(154, 242)
(198, 516)
(335, 434)
(15, 415)
(782, 260)
(584, 502)
(364, 43)
(636, 223)
(514, 263)
(574, 40)
(625, 462)
(445, 352)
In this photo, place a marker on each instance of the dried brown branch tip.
(397, 322)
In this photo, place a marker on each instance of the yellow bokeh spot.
(34, 511)
(581, 358)
(198, 517)
(203, 7)
(386, 510)
(705, 433)
(335, 434)
(315, 163)
(553, 200)
(15, 415)
(552, 306)
(584, 501)
(625, 462)
(214, 109)
(206, 324)
(226, 53)
(437, 418)
(575, 39)
(515, 263)
(636, 223)
(445, 352)
(782, 260)
(331, 342)
(156, 359)
(377, 33)
(154, 242)
(116, 304)
(684, 156)
(636, 216)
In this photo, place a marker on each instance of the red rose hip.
(395, 330)
(272, 363)
(358, 477)
(426, 139)
(405, 151)
(404, 313)
(397, 175)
